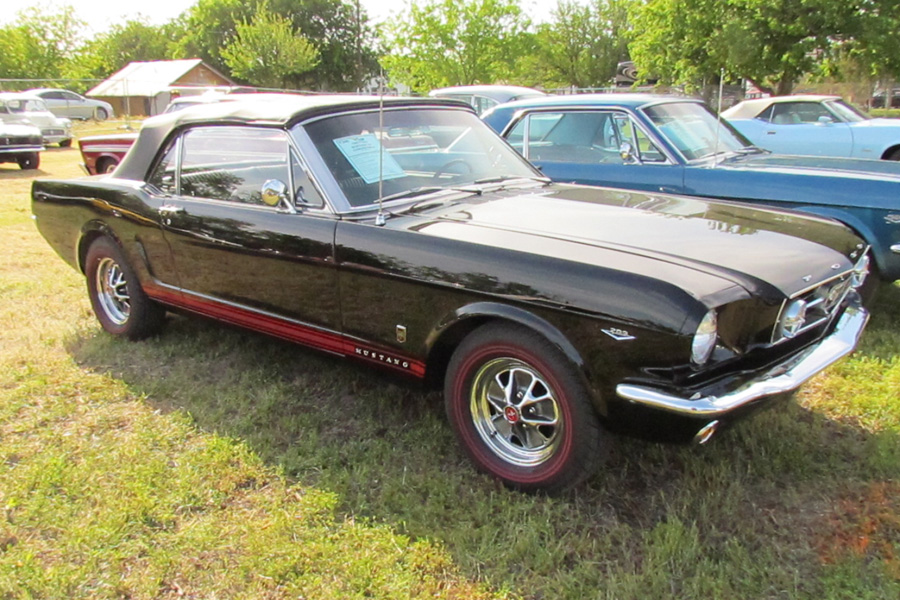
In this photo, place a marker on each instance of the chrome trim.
(785, 377)
(895, 248)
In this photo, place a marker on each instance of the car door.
(804, 128)
(76, 106)
(243, 255)
(595, 147)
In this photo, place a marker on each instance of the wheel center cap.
(511, 414)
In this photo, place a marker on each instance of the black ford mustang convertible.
(406, 234)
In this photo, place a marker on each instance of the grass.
(214, 463)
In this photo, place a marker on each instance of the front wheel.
(65, 143)
(119, 303)
(521, 411)
(29, 161)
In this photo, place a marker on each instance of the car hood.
(752, 247)
(818, 166)
(18, 129)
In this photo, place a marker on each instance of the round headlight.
(704, 339)
(860, 271)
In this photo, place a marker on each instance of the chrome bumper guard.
(785, 377)
(895, 248)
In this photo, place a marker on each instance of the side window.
(766, 115)
(482, 104)
(305, 192)
(793, 113)
(232, 163)
(539, 125)
(641, 145)
(163, 176)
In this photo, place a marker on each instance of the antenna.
(379, 218)
(719, 115)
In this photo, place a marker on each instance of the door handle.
(170, 209)
(770, 133)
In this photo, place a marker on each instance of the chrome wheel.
(112, 291)
(515, 412)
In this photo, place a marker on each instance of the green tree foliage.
(209, 26)
(447, 42)
(771, 43)
(134, 40)
(39, 44)
(266, 52)
(582, 45)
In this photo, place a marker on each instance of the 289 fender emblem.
(620, 335)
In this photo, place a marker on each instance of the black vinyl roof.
(276, 110)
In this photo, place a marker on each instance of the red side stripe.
(287, 330)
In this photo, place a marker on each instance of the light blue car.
(815, 126)
(678, 146)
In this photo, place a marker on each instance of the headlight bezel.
(705, 338)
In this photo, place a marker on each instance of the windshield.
(18, 105)
(414, 149)
(692, 127)
(847, 112)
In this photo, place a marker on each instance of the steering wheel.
(449, 165)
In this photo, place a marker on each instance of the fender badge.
(807, 278)
(893, 219)
(620, 335)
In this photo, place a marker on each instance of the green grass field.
(210, 462)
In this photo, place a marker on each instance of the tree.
(583, 44)
(771, 43)
(134, 40)
(265, 51)
(40, 44)
(446, 42)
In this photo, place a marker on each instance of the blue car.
(677, 145)
(815, 125)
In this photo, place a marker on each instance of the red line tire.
(521, 411)
(117, 299)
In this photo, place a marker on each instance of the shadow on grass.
(768, 497)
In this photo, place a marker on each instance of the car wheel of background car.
(521, 411)
(29, 161)
(893, 154)
(101, 115)
(65, 143)
(120, 304)
(106, 165)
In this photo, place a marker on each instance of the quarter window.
(163, 176)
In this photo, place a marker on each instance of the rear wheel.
(119, 303)
(106, 165)
(893, 154)
(520, 410)
(101, 114)
(29, 161)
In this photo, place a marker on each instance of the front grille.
(20, 140)
(54, 131)
(812, 308)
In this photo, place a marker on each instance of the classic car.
(677, 145)
(20, 144)
(484, 97)
(405, 234)
(816, 126)
(25, 109)
(64, 103)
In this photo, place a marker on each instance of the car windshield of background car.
(846, 112)
(692, 129)
(414, 149)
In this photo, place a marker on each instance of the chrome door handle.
(170, 209)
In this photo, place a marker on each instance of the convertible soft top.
(277, 110)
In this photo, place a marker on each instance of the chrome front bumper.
(895, 248)
(786, 377)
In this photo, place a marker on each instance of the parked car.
(879, 99)
(26, 109)
(484, 97)
(815, 126)
(20, 144)
(406, 235)
(64, 103)
(676, 145)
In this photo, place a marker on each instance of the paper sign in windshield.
(363, 153)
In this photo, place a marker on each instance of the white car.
(20, 144)
(64, 103)
(26, 109)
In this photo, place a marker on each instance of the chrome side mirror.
(627, 153)
(274, 192)
(824, 121)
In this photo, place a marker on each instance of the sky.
(101, 14)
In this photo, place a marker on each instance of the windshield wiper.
(502, 178)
